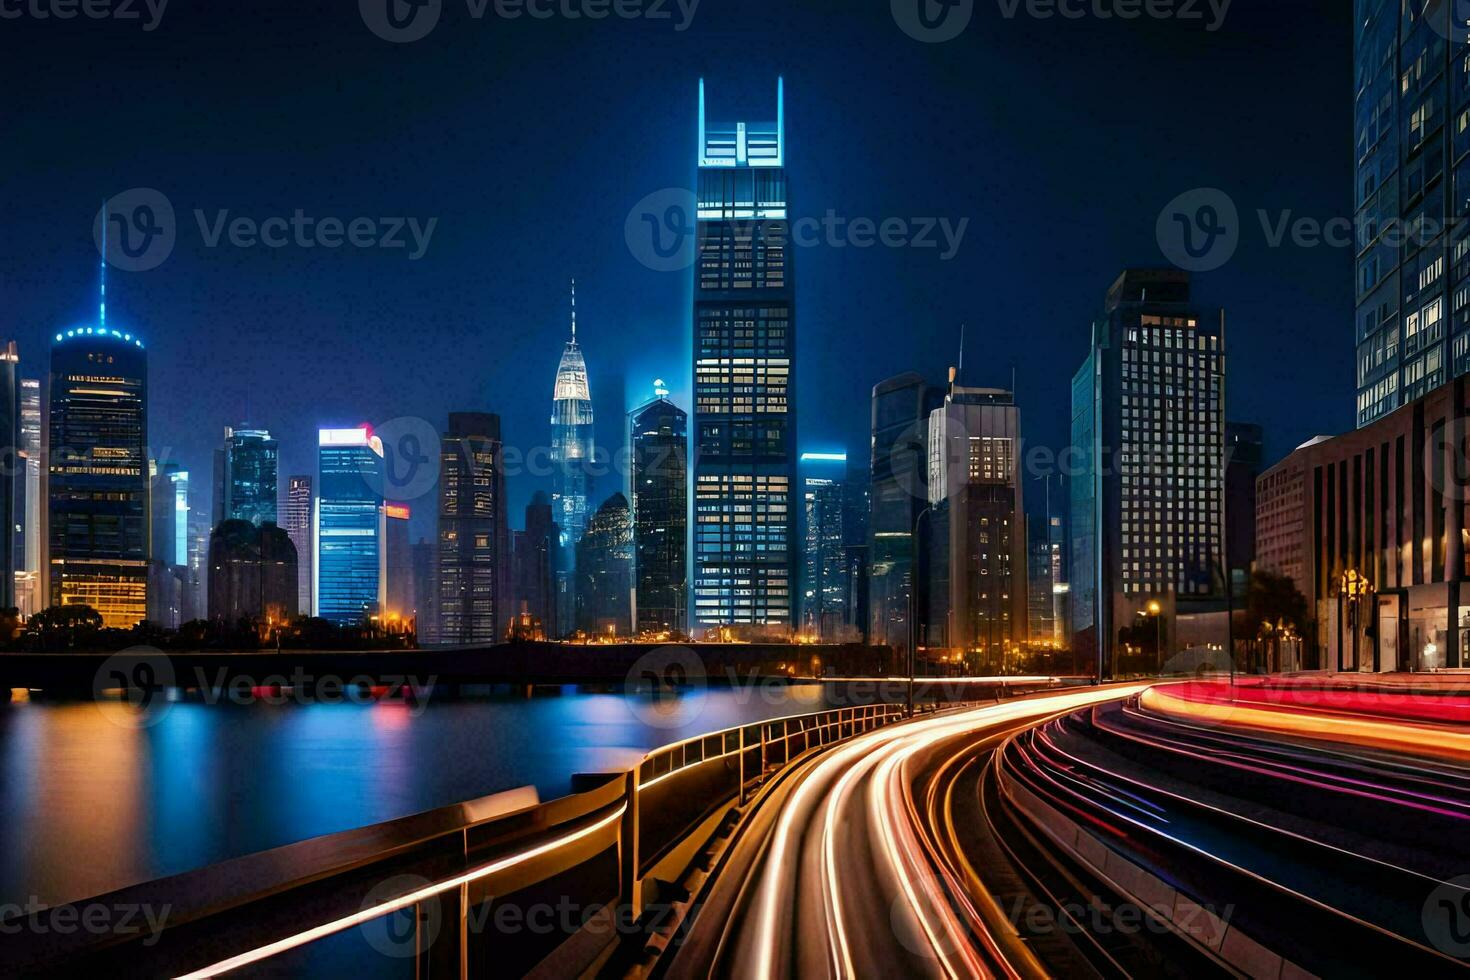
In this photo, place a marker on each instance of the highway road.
(839, 874)
(910, 851)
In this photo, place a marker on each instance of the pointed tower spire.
(574, 309)
(102, 280)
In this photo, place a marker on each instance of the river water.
(94, 797)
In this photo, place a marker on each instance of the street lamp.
(914, 603)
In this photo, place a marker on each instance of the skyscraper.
(398, 561)
(252, 573)
(1244, 454)
(28, 502)
(97, 497)
(473, 535)
(824, 605)
(298, 525)
(426, 591)
(535, 565)
(248, 478)
(605, 571)
(1148, 424)
(11, 460)
(348, 526)
(169, 544)
(744, 350)
(572, 449)
(1413, 284)
(1040, 603)
(659, 481)
(898, 494)
(977, 583)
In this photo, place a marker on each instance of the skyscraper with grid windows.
(744, 431)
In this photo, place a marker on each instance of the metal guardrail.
(593, 848)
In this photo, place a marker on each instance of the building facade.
(744, 357)
(252, 574)
(426, 591)
(398, 590)
(898, 494)
(658, 480)
(474, 538)
(605, 571)
(248, 477)
(1244, 456)
(535, 555)
(1148, 428)
(1371, 527)
(825, 607)
(347, 527)
(299, 508)
(29, 502)
(976, 595)
(1412, 135)
(97, 487)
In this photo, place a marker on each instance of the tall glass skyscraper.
(298, 525)
(249, 477)
(349, 526)
(744, 349)
(659, 481)
(28, 502)
(1412, 132)
(97, 498)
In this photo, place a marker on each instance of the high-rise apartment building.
(348, 526)
(744, 358)
(298, 525)
(1148, 425)
(659, 483)
(97, 496)
(473, 535)
(976, 589)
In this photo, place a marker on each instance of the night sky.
(530, 140)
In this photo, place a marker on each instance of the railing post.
(630, 882)
(741, 769)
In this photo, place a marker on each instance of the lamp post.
(914, 603)
(1157, 612)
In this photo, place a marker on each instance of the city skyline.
(297, 306)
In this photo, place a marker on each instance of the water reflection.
(88, 804)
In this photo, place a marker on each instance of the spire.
(574, 309)
(102, 281)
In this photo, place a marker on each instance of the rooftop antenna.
(962, 350)
(574, 309)
(102, 280)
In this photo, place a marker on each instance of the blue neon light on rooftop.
(100, 332)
